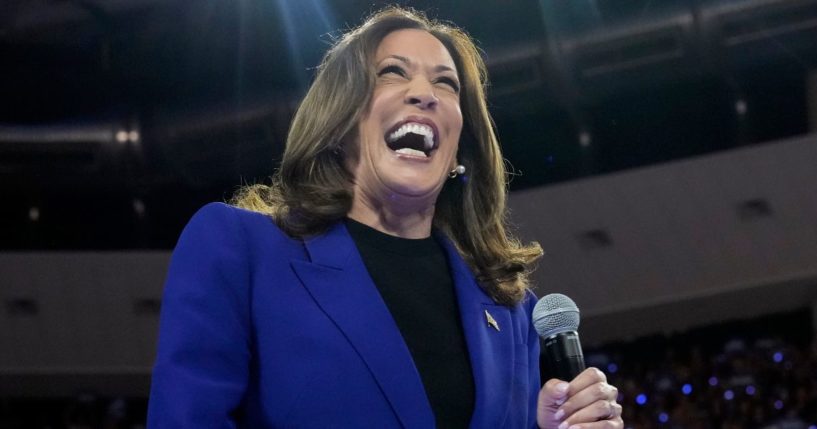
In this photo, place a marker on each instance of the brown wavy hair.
(312, 189)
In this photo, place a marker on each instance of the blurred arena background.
(664, 153)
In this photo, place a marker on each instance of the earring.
(458, 170)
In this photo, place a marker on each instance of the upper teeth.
(413, 127)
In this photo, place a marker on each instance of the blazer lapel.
(338, 281)
(489, 341)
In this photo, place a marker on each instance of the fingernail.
(559, 414)
(561, 388)
(563, 425)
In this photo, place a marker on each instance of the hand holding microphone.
(573, 395)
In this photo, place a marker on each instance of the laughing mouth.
(412, 138)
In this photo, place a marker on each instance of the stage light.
(302, 21)
(641, 399)
(729, 395)
(740, 107)
(713, 381)
(778, 357)
(750, 390)
(663, 417)
(686, 389)
(612, 368)
(138, 207)
(585, 139)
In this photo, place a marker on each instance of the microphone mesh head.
(555, 313)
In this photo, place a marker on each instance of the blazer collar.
(490, 346)
(338, 281)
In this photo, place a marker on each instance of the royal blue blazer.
(260, 330)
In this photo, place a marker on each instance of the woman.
(373, 284)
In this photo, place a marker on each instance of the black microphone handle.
(562, 356)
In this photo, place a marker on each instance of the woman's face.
(408, 137)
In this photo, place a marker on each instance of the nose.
(421, 94)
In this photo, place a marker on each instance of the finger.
(552, 395)
(598, 411)
(616, 423)
(586, 378)
(588, 397)
(554, 392)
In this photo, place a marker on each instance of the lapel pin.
(491, 321)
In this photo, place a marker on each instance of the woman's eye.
(392, 69)
(450, 82)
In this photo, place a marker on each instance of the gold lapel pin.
(491, 321)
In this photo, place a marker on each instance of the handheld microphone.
(556, 319)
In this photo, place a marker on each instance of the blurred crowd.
(752, 374)
(758, 374)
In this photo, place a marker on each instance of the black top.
(414, 280)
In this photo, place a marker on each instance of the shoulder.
(229, 230)
(219, 213)
(220, 216)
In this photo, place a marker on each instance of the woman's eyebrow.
(398, 57)
(439, 68)
(443, 68)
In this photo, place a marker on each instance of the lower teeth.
(407, 151)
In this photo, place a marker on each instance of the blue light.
(729, 395)
(641, 399)
(612, 368)
(298, 19)
(750, 390)
(713, 381)
(778, 404)
(663, 418)
(812, 427)
(778, 357)
(686, 389)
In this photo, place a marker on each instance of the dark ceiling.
(118, 118)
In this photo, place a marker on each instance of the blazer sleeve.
(202, 364)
